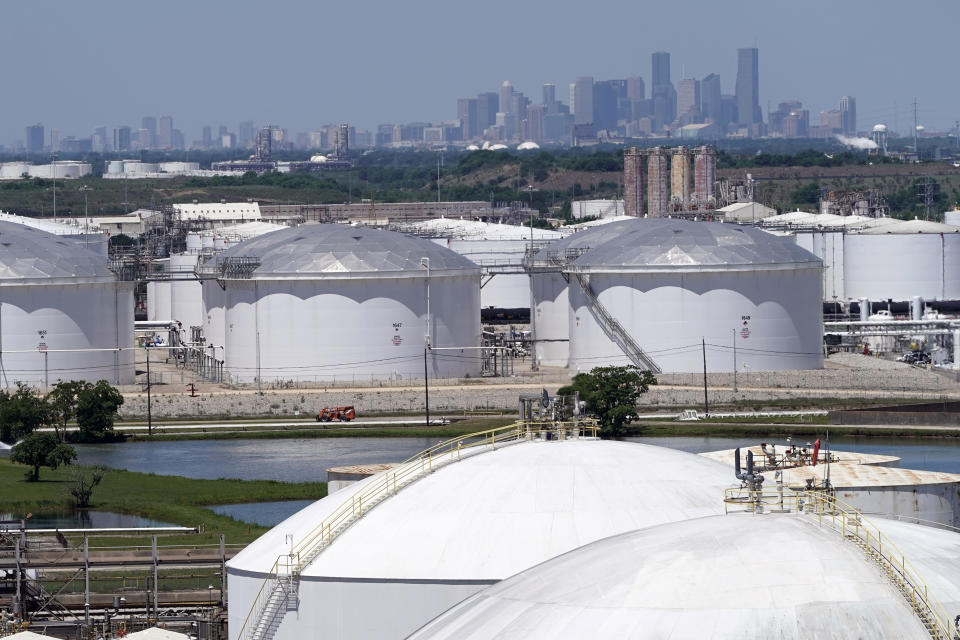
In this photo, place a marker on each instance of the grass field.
(172, 499)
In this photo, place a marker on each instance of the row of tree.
(24, 411)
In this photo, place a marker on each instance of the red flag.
(816, 451)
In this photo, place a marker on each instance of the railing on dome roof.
(853, 526)
(278, 591)
(234, 267)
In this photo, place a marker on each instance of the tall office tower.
(148, 141)
(245, 134)
(710, 105)
(680, 178)
(488, 104)
(848, 113)
(550, 97)
(533, 128)
(506, 96)
(636, 89)
(658, 182)
(662, 92)
(467, 115)
(36, 140)
(207, 136)
(609, 97)
(748, 87)
(582, 97)
(165, 132)
(143, 139)
(704, 177)
(343, 141)
(688, 97)
(633, 182)
(222, 131)
(99, 142)
(121, 139)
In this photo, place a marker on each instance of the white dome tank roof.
(910, 227)
(586, 239)
(317, 250)
(734, 576)
(663, 243)
(500, 512)
(27, 253)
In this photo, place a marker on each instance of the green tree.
(62, 402)
(21, 412)
(41, 450)
(97, 410)
(612, 394)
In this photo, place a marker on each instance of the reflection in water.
(83, 519)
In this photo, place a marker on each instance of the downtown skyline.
(206, 66)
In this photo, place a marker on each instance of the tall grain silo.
(333, 302)
(63, 313)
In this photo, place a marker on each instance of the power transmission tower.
(926, 191)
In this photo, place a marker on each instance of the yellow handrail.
(850, 523)
(386, 483)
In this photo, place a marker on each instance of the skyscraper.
(688, 97)
(609, 99)
(467, 115)
(748, 87)
(506, 96)
(121, 139)
(848, 114)
(35, 138)
(165, 133)
(149, 139)
(710, 104)
(549, 96)
(636, 89)
(662, 92)
(661, 68)
(488, 104)
(583, 99)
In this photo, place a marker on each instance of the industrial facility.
(649, 292)
(63, 312)
(605, 539)
(323, 302)
(667, 174)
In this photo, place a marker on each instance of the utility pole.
(149, 411)
(706, 399)
(54, 167)
(925, 192)
(916, 132)
(734, 360)
(425, 262)
(86, 216)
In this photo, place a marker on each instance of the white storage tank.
(57, 300)
(186, 294)
(551, 302)
(901, 260)
(333, 302)
(194, 242)
(673, 283)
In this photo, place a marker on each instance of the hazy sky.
(298, 64)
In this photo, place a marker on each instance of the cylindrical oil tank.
(550, 299)
(219, 243)
(901, 260)
(952, 217)
(186, 294)
(159, 302)
(63, 314)
(206, 240)
(673, 285)
(194, 242)
(329, 302)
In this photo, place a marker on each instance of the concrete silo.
(63, 313)
(328, 302)
(671, 284)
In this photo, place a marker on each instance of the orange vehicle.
(343, 414)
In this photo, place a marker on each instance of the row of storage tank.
(324, 302)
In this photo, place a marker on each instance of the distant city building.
(688, 98)
(832, 119)
(148, 140)
(609, 100)
(488, 104)
(581, 100)
(848, 115)
(121, 139)
(784, 109)
(533, 128)
(165, 133)
(662, 91)
(36, 139)
(246, 134)
(710, 100)
(207, 137)
(748, 87)
(99, 142)
(467, 115)
(549, 96)
(796, 124)
(636, 89)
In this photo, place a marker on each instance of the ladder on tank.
(614, 330)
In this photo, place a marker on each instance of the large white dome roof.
(27, 253)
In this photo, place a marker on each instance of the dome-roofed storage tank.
(327, 302)
(901, 260)
(63, 313)
(735, 576)
(671, 284)
(467, 525)
(550, 294)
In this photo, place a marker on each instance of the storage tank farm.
(670, 284)
(63, 313)
(323, 302)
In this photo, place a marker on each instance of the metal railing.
(852, 525)
(614, 330)
(283, 575)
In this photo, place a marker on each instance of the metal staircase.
(614, 330)
(278, 593)
(829, 512)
